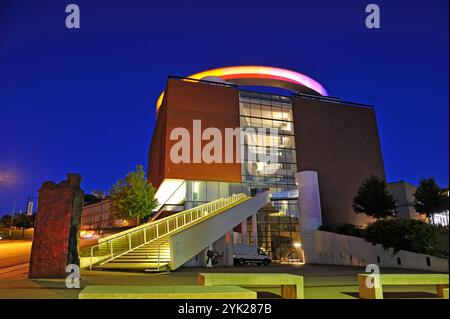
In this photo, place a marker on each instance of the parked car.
(250, 254)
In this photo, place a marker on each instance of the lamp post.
(12, 217)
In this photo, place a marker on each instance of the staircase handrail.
(208, 208)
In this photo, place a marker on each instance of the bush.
(325, 228)
(350, 229)
(344, 229)
(404, 234)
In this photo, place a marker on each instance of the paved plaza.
(321, 281)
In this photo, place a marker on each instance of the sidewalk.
(321, 282)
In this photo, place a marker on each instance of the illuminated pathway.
(14, 259)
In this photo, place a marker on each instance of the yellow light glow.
(278, 214)
(86, 233)
(258, 71)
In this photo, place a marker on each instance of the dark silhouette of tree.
(5, 221)
(429, 198)
(24, 222)
(373, 199)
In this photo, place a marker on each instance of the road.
(14, 258)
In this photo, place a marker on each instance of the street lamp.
(12, 217)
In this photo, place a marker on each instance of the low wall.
(322, 247)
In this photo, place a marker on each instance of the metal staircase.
(148, 247)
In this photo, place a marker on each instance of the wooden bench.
(166, 292)
(291, 285)
(378, 281)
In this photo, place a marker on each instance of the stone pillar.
(255, 229)
(56, 233)
(244, 236)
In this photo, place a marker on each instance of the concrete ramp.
(190, 241)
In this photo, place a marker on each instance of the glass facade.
(202, 192)
(278, 223)
(262, 112)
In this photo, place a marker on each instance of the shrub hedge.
(397, 233)
(404, 234)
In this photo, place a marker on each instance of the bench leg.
(366, 292)
(440, 290)
(289, 291)
(204, 281)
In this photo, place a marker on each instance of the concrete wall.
(334, 249)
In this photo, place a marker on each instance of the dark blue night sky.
(84, 100)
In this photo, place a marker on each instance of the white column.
(244, 237)
(309, 200)
(310, 213)
(255, 230)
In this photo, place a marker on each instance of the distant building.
(99, 216)
(403, 193)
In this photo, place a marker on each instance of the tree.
(445, 198)
(373, 199)
(429, 198)
(133, 196)
(24, 222)
(5, 221)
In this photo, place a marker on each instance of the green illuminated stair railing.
(130, 245)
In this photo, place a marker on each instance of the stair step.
(144, 256)
(141, 266)
(148, 254)
(151, 250)
(143, 251)
(139, 261)
(152, 246)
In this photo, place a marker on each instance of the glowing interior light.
(166, 192)
(258, 72)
